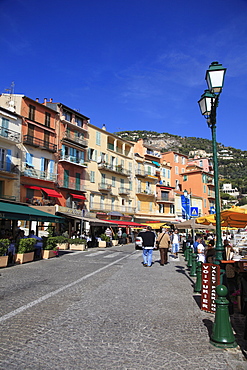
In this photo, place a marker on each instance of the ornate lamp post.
(208, 106)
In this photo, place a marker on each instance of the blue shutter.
(8, 160)
(51, 166)
(63, 151)
(42, 164)
(29, 159)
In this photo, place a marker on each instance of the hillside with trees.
(232, 162)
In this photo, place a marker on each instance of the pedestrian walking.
(148, 243)
(163, 243)
(201, 252)
(175, 239)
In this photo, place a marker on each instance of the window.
(113, 181)
(164, 172)
(78, 121)
(138, 205)
(183, 170)
(204, 189)
(92, 154)
(130, 185)
(175, 158)
(98, 138)
(91, 200)
(4, 128)
(68, 116)
(47, 119)
(172, 208)
(31, 112)
(183, 160)
(204, 178)
(77, 181)
(205, 203)
(150, 206)
(46, 139)
(168, 174)
(176, 170)
(185, 177)
(92, 176)
(161, 208)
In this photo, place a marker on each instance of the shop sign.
(210, 280)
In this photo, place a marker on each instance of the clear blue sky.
(130, 64)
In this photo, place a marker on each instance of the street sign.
(185, 201)
(194, 212)
(212, 210)
(210, 280)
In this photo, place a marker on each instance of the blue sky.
(130, 64)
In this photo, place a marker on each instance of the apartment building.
(10, 153)
(38, 150)
(154, 194)
(72, 134)
(110, 176)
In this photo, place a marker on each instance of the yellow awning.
(155, 225)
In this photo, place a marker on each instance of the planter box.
(46, 254)
(78, 247)
(63, 246)
(3, 261)
(114, 242)
(24, 257)
(102, 244)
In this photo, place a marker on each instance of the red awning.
(33, 187)
(51, 193)
(125, 223)
(78, 196)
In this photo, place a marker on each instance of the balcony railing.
(37, 174)
(139, 172)
(9, 167)
(110, 146)
(10, 134)
(94, 206)
(123, 191)
(145, 192)
(72, 137)
(8, 197)
(119, 169)
(74, 160)
(39, 143)
(104, 186)
(165, 199)
(71, 183)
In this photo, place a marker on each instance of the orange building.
(178, 163)
(72, 131)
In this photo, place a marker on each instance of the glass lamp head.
(215, 76)
(205, 103)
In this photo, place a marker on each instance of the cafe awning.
(12, 211)
(51, 193)
(78, 196)
(125, 223)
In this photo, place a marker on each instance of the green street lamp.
(208, 104)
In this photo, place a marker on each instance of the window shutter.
(8, 160)
(42, 164)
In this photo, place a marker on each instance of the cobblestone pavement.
(101, 309)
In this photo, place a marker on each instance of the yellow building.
(110, 176)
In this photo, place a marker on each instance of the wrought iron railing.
(31, 140)
(37, 174)
(10, 134)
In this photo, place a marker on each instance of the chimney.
(51, 100)
(37, 100)
(45, 100)
(103, 127)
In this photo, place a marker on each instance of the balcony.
(117, 169)
(141, 173)
(148, 192)
(160, 199)
(8, 197)
(9, 167)
(104, 187)
(71, 183)
(38, 143)
(10, 135)
(94, 206)
(72, 159)
(37, 174)
(76, 139)
(123, 191)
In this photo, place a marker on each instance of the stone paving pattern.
(125, 317)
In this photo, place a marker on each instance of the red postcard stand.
(210, 280)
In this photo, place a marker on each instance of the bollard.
(222, 335)
(189, 263)
(198, 284)
(193, 265)
(186, 253)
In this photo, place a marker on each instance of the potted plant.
(25, 250)
(4, 244)
(114, 239)
(50, 248)
(62, 242)
(104, 242)
(77, 244)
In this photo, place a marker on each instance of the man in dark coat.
(148, 243)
